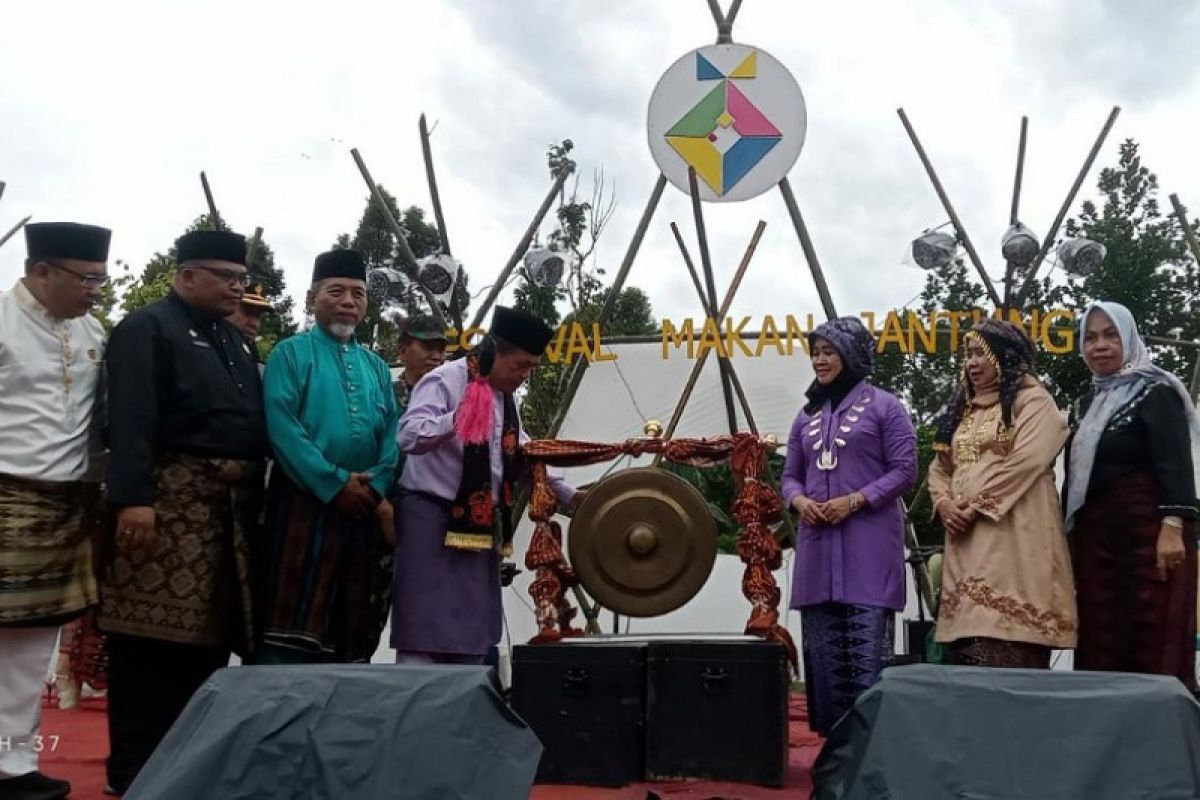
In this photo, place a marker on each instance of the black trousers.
(149, 683)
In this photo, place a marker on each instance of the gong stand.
(13, 230)
(756, 505)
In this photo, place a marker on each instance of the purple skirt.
(444, 600)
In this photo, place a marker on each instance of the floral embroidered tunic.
(1009, 575)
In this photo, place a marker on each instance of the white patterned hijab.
(1111, 393)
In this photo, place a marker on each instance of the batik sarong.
(191, 585)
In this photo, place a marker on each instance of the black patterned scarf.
(473, 516)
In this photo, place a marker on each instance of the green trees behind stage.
(1147, 269)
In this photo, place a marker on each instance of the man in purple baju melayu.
(461, 434)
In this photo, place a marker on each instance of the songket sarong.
(846, 647)
(46, 565)
(324, 579)
(1129, 620)
(191, 585)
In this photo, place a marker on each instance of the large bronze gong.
(642, 542)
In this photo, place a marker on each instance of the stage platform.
(78, 753)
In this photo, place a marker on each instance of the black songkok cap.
(211, 246)
(339, 264)
(67, 240)
(522, 329)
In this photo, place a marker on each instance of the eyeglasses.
(92, 279)
(228, 275)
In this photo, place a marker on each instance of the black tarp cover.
(927, 732)
(352, 731)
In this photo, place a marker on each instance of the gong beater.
(643, 542)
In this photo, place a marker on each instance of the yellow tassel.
(469, 541)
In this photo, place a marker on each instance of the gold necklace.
(969, 442)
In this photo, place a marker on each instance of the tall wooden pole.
(949, 207)
(581, 364)
(1013, 213)
(711, 313)
(1189, 235)
(698, 367)
(214, 219)
(436, 198)
(710, 283)
(13, 231)
(810, 252)
(408, 260)
(1065, 208)
(519, 250)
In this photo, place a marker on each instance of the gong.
(642, 542)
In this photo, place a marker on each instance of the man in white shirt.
(51, 354)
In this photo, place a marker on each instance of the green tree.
(1147, 268)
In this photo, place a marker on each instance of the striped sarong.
(323, 579)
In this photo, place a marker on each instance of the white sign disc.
(735, 114)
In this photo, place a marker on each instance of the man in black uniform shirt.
(187, 439)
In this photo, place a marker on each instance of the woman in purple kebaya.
(851, 454)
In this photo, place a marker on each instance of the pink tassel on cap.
(473, 422)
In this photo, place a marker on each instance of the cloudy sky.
(110, 110)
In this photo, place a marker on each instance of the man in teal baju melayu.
(324, 567)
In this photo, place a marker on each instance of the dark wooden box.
(717, 710)
(585, 700)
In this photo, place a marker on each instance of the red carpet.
(76, 743)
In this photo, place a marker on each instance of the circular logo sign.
(735, 114)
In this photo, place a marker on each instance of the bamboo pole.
(711, 285)
(520, 249)
(1189, 236)
(436, 199)
(810, 252)
(949, 207)
(698, 367)
(214, 219)
(581, 364)
(709, 311)
(1013, 213)
(1065, 208)
(13, 230)
(409, 261)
